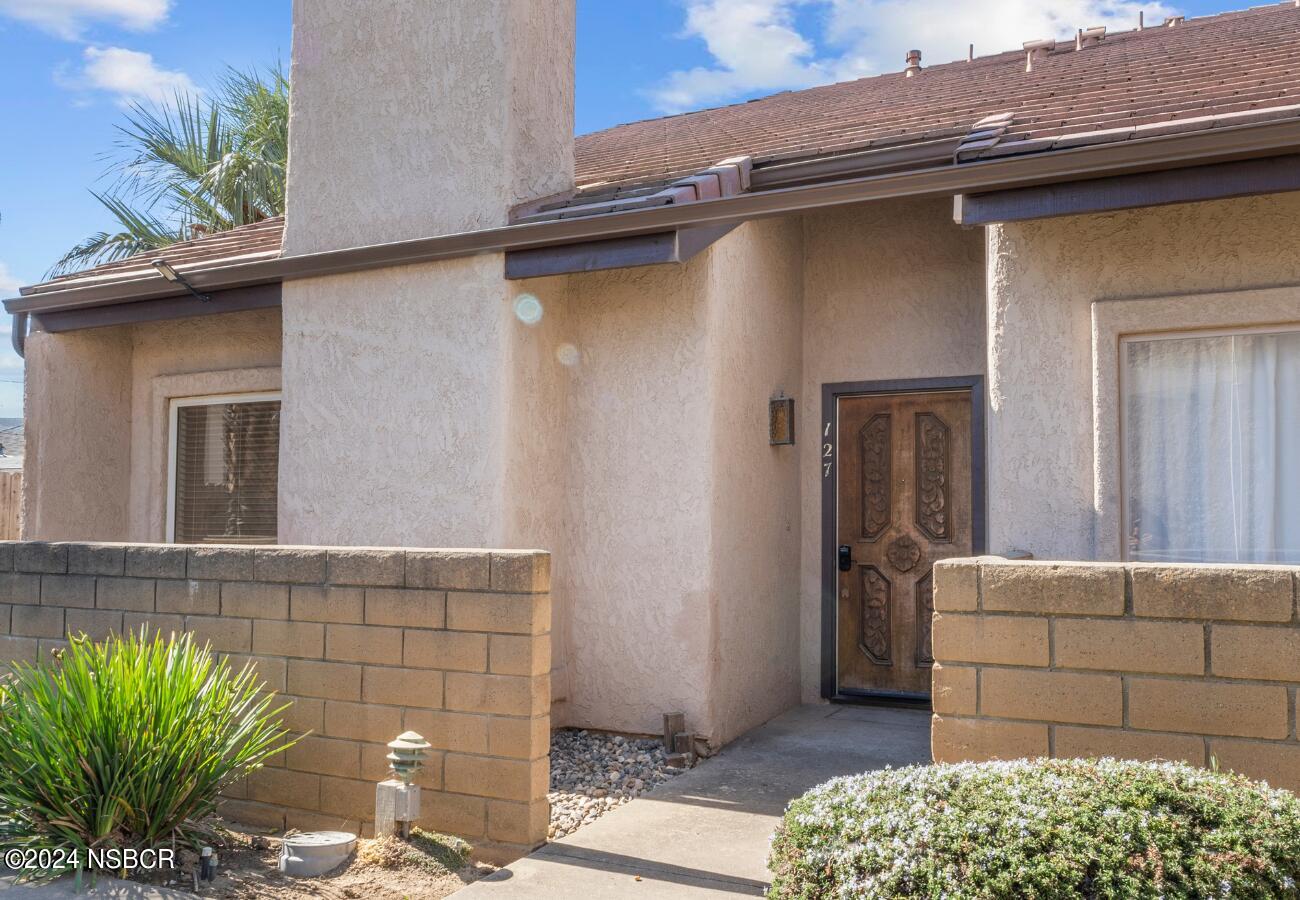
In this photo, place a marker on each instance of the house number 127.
(828, 452)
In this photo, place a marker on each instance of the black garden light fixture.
(167, 271)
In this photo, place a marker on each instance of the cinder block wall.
(1180, 662)
(363, 643)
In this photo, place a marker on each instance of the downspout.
(18, 336)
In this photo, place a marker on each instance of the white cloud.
(756, 46)
(69, 18)
(130, 75)
(8, 282)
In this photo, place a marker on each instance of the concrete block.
(953, 689)
(255, 600)
(303, 714)
(222, 635)
(39, 556)
(1257, 594)
(270, 670)
(362, 721)
(155, 561)
(462, 732)
(368, 567)
(1052, 696)
(506, 695)
(410, 608)
(509, 613)
(7, 555)
(1276, 763)
(363, 643)
(956, 585)
(14, 648)
(519, 738)
(518, 823)
(521, 572)
(220, 563)
(459, 570)
(279, 638)
(131, 594)
(157, 623)
(200, 598)
(955, 739)
(1127, 645)
(348, 797)
(315, 603)
(1000, 640)
(1095, 589)
(402, 687)
(96, 624)
(1258, 652)
(18, 588)
(68, 590)
(1073, 742)
(451, 650)
(296, 565)
(96, 559)
(1209, 707)
(329, 680)
(503, 779)
(325, 756)
(37, 621)
(285, 787)
(510, 654)
(454, 814)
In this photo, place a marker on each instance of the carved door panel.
(904, 502)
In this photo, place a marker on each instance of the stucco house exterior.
(1043, 303)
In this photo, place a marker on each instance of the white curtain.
(1211, 438)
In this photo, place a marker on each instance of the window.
(1211, 446)
(223, 469)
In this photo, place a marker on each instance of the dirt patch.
(426, 866)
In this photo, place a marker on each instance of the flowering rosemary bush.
(1041, 829)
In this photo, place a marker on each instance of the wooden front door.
(904, 502)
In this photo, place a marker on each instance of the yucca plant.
(127, 743)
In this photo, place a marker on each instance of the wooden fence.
(11, 504)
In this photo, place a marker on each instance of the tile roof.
(1216, 64)
(1198, 74)
(260, 240)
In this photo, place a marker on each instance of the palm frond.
(139, 232)
(217, 160)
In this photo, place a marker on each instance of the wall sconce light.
(780, 421)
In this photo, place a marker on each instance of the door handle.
(845, 558)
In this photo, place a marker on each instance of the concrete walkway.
(705, 834)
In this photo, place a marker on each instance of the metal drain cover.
(314, 853)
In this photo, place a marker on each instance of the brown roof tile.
(1204, 72)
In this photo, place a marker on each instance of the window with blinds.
(226, 459)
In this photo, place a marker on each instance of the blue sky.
(68, 66)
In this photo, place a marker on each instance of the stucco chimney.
(413, 118)
(913, 63)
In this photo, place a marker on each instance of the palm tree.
(200, 164)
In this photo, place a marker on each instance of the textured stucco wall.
(97, 406)
(1042, 280)
(891, 291)
(393, 427)
(420, 118)
(755, 351)
(77, 405)
(224, 354)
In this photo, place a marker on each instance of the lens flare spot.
(567, 354)
(528, 309)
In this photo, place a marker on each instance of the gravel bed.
(593, 773)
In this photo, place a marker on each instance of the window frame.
(1170, 334)
(174, 406)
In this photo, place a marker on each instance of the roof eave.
(1219, 144)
